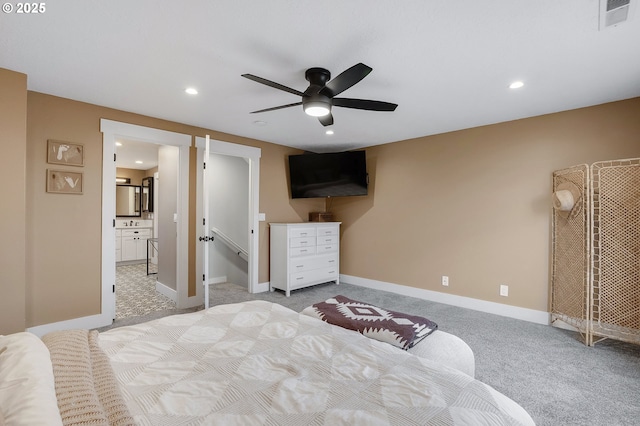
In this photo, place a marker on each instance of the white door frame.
(112, 130)
(253, 155)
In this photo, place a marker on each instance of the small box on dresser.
(304, 254)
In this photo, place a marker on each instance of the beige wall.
(13, 136)
(65, 284)
(135, 175)
(475, 204)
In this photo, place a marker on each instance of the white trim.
(144, 134)
(167, 291)
(112, 130)
(253, 155)
(263, 287)
(217, 280)
(90, 322)
(525, 314)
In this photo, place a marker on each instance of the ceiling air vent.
(613, 12)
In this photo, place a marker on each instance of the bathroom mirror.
(147, 194)
(128, 200)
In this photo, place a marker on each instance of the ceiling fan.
(319, 97)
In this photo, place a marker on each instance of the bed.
(251, 363)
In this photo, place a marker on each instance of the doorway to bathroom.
(139, 197)
(169, 219)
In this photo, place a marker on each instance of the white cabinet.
(134, 244)
(304, 254)
(118, 245)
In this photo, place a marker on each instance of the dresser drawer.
(302, 242)
(326, 240)
(315, 276)
(328, 248)
(327, 230)
(306, 264)
(302, 232)
(302, 251)
(143, 233)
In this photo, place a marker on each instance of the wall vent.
(613, 12)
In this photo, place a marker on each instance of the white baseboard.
(525, 314)
(167, 291)
(89, 322)
(563, 325)
(217, 280)
(262, 287)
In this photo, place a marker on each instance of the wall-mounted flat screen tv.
(339, 174)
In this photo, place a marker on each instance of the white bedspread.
(258, 363)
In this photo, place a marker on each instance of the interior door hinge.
(202, 277)
(203, 221)
(204, 165)
(114, 223)
(114, 157)
(114, 288)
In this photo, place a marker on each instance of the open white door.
(209, 147)
(205, 232)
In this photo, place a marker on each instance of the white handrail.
(235, 247)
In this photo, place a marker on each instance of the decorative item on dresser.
(304, 254)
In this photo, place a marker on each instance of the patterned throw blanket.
(86, 388)
(398, 329)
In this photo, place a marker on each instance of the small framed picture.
(67, 153)
(64, 182)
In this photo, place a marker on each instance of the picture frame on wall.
(67, 153)
(64, 182)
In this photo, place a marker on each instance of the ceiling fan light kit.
(319, 98)
(316, 108)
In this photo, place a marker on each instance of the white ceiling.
(136, 155)
(447, 64)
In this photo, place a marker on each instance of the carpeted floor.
(549, 371)
(136, 293)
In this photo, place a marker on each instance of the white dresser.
(304, 254)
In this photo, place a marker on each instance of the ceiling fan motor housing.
(313, 103)
(317, 76)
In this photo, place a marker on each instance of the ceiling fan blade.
(326, 120)
(364, 104)
(278, 107)
(272, 84)
(345, 80)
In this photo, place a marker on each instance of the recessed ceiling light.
(138, 162)
(191, 91)
(118, 143)
(260, 123)
(516, 85)
(329, 132)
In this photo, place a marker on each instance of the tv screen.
(339, 174)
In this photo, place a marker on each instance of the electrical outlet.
(504, 290)
(445, 280)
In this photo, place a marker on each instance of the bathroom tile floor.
(136, 292)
